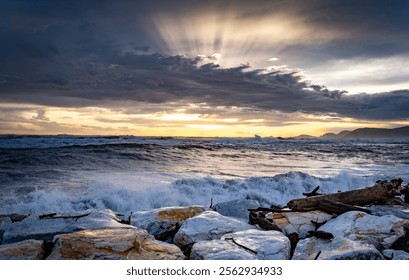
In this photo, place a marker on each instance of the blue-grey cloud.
(100, 53)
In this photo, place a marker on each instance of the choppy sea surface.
(43, 174)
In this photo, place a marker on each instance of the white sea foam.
(124, 193)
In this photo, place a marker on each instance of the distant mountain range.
(363, 133)
(371, 133)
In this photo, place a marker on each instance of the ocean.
(45, 174)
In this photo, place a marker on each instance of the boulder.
(219, 250)
(163, 223)
(268, 245)
(395, 254)
(298, 222)
(24, 250)
(208, 225)
(382, 232)
(45, 229)
(112, 244)
(339, 248)
(236, 208)
(250, 244)
(395, 210)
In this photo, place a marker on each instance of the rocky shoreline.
(220, 232)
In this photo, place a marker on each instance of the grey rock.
(236, 208)
(339, 248)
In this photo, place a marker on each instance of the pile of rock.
(217, 233)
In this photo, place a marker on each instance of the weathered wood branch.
(379, 192)
(313, 193)
(278, 210)
(53, 216)
(334, 207)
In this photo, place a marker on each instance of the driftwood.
(313, 193)
(379, 192)
(334, 207)
(278, 210)
(53, 216)
(320, 234)
(259, 218)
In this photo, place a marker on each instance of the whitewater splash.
(40, 174)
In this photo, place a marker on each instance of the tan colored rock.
(298, 222)
(24, 250)
(113, 244)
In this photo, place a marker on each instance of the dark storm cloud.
(101, 53)
(174, 79)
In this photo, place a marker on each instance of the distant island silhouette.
(362, 133)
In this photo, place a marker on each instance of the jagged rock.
(236, 208)
(208, 225)
(382, 232)
(163, 223)
(112, 244)
(339, 248)
(45, 229)
(23, 250)
(396, 254)
(219, 250)
(298, 222)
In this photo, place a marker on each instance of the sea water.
(44, 174)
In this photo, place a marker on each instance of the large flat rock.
(164, 222)
(45, 229)
(23, 250)
(112, 244)
(380, 231)
(208, 225)
(250, 244)
(339, 248)
(298, 222)
(236, 208)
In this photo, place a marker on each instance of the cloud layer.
(150, 56)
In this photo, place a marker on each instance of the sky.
(203, 68)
